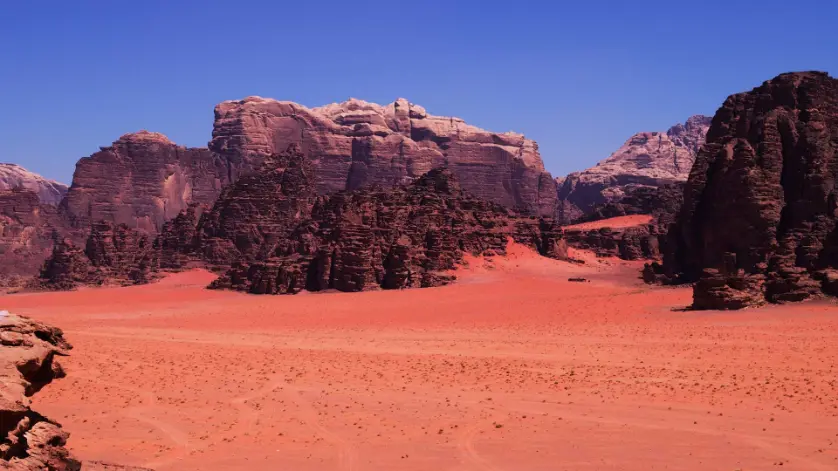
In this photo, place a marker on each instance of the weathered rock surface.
(760, 207)
(13, 176)
(113, 254)
(28, 440)
(356, 144)
(648, 160)
(281, 237)
(65, 269)
(630, 243)
(142, 180)
(27, 231)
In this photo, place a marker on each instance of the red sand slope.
(618, 222)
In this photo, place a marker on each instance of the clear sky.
(579, 77)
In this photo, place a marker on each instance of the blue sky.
(578, 77)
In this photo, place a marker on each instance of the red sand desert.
(511, 368)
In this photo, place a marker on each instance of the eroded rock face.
(281, 237)
(113, 254)
(27, 231)
(631, 243)
(142, 180)
(356, 143)
(646, 161)
(13, 176)
(28, 440)
(760, 206)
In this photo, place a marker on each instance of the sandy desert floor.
(512, 368)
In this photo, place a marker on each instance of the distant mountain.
(646, 160)
(13, 176)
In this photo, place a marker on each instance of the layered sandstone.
(648, 160)
(28, 440)
(27, 231)
(281, 237)
(13, 176)
(142, 180)
(356, 143)
(112, 254)
(760, 208)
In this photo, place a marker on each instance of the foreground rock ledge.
(28, 440)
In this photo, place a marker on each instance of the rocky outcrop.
(175, 245)
(260, 211)
(662, 202)
(646, 161)
(65, 269)
(27, 231)
(28, 440)
(15, 177)
(758, 221)
(285, 238)
(113, 254)
(119, 254)
(356, 143)
(630, 243)
(142, 180)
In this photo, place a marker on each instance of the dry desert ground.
(511, 368)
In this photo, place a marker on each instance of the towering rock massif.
(648, 160)
(142, 180)
(761, 204)
(28, 440)
(14, 177)
(27, 232)
(356, 144)
(284, 238)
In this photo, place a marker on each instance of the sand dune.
(511, 368)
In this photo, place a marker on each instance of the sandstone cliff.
(28, 440)
(14, 176)
(356, 143)
(281, 237)
(273, 233)
(646, 161)
(142, 180)
(760, 207)
(27, 231)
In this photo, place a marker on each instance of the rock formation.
(27, 231)
(640, 242)
(28, 440)
(758, 221)
(65, 269)
(281, 237)
(175, 245)
(14, 176)
(356, 144)
(646, 161)
(113, 254)
(142, 180)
